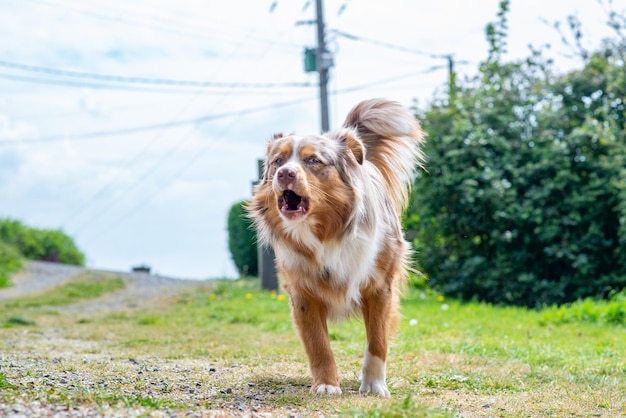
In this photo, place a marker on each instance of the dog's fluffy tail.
(393, 142)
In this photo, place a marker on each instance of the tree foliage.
(40, 244)
(525, 199)
(242, 241)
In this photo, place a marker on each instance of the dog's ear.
(270, 143)
(268, 151)
(351, 142)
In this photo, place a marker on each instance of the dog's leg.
(309, 316)
(379, 314)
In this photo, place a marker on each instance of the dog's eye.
(312, 160)
(278, 161)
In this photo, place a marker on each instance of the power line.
(448, 57)
(385, 80)
(144, 201)
(165, 24)
(165, 125)
(144, 80)
(206, 118)
(147, 174)
(390, 45)
(140, 179)
(126, 87)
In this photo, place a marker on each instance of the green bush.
(242, 241)
(612, 311)
(10, 262)
(525, 199)
(40, 244)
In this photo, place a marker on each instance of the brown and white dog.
(330, 206)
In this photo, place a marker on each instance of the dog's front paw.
(375, 387)
(373, 376)
(326, 389)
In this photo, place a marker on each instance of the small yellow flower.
(281, 297)
(440, 298)
(212, 296)
(248, 295)
(273, 294)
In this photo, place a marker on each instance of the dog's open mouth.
(292, 205)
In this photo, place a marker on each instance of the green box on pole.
(310, 61)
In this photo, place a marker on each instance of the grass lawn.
(232, 351)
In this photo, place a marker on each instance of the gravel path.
(140, 288)
(38, 276)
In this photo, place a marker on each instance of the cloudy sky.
(134, 125)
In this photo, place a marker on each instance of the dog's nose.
(286, 177)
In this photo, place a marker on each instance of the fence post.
(267, 267)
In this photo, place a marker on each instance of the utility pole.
(452, 89)
(450, 59)
(324, 62)
(319, 60)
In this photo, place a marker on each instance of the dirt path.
(38, 276)
(141, 288)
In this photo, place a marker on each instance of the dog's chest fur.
(338, 269)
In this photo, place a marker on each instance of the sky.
(134, 125)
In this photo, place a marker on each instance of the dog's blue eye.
(278, 161)
(312, 160)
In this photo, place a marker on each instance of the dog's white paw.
(373, 376)
(328, 389)
(375, 387)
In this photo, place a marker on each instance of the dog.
(330, 206)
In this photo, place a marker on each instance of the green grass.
(4, 280)
(4, 382)
(18, 320)
(233, 349)
(409, 407)
(10, 263)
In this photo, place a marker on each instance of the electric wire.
(165, 82)
(183, 169)
(231, 91)
(145, 80)
(389, 45)
(205, 118)
(159, 162)
(164, 157)
(157, 126)
(162, 23)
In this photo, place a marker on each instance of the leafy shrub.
(10, 262)
(612, 311)
(525, 199)
(242, 241)
(40, 244)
